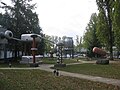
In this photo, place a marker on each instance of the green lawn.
(109, 71)
(41, 80)
(45, 61)
(54, 60)
(14, 64)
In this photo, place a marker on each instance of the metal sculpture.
(103, 54)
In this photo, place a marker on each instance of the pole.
(33, 51)
(33, 46)
(61, 54)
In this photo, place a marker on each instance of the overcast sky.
(64, 17)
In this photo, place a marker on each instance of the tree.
(41, 45)
(78, 43)
(116, 23)
(90, 38)
(102, 29)
(48, 44)
(24, 20)
(105, 8)
(20, 18)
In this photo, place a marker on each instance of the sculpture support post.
(33, 51)
(33, 47)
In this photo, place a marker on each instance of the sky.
(64, 17)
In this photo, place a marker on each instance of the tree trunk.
(110, 32)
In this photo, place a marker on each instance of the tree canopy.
(107, 25)
(116, 23)
(20, 17)
(90, 37)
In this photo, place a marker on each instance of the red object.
(99, 51)
(33, 47)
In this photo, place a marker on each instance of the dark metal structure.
(69, 47)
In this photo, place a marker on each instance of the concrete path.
(46, 67)
(92, 78)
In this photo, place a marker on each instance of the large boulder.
(102, 61)
(60, 65)
(34, 65)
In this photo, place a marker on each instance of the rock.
(60, 65)
(102, 61)
(34, 64)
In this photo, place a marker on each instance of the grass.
(14, 64)
(45, 61)
(49, 60)
(110, 71)
(41, 80)
(54, 60)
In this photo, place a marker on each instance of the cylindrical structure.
(69, 47)
(99, 51)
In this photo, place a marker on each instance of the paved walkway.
(46, 67)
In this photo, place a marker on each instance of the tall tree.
(21, 18)
(24, 20)
(90, 39)
(41, 45)
(116, 23)
(48, 44)
(78, 43)
(102, 29)
(105, 15)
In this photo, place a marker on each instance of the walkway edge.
(92, 78)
